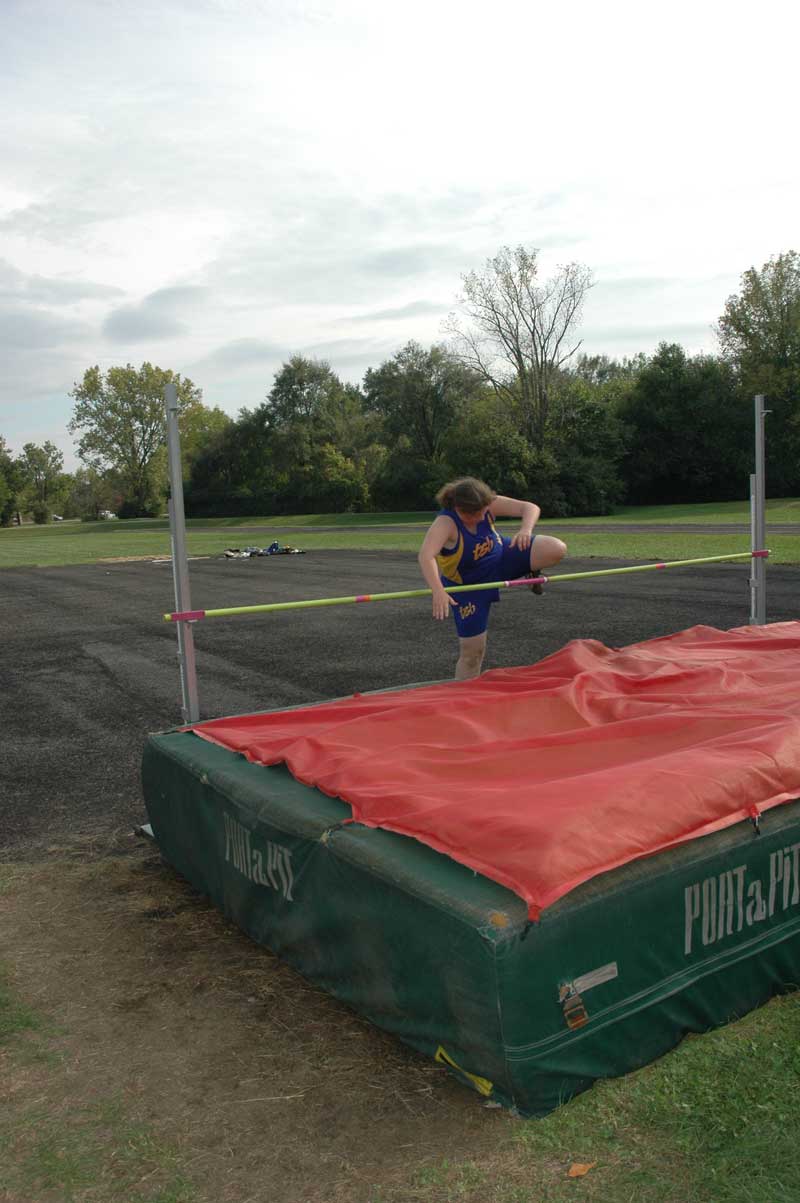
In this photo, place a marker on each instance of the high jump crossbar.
(271, 607)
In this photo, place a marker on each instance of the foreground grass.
(15, 1017)
(58, 1148)
(86, 543)
(713, 1121)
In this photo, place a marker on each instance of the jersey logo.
(483, 549)
(468, 610)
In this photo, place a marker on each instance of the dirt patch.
(266, 1087)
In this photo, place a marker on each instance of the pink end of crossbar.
(659, 565)
(364, 597)
(187, 615)
(759, 555)
(527, 580)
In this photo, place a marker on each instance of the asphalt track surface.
(88, 667)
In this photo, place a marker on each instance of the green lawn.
(779, 509)
(85, 543)
(713, 1121)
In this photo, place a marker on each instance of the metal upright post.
(180, 563)
(758, 523)
(753, 547)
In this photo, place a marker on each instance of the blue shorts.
(471, 614)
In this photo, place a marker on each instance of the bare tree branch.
(515, 331)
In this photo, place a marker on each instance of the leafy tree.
(41, 469)
(11, 485)
(759, 335)
(407, 481)
(588, 440)
(328, 482)
(5, 495)
(255, 468)
(302, 391)
(311, 413)
(576, 473)
(759, 330)
(488, 444)
(353, 429)
(236, 473)
(601, 370)
(201, 428)
(121, 420)
(308, 399)
(519, 332)
(420, 394)
(88, 493)
(689, 431)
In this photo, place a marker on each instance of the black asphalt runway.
(88, 667)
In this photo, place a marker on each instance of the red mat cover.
(544, 776)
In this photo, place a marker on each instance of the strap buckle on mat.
(570, 994)
(575, 1013)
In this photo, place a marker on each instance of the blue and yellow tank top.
(475, 557)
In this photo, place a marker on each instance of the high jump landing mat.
(634, 815)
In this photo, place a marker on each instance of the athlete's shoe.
(538, 588)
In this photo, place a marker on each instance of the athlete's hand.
(522, 539)
(442, 602)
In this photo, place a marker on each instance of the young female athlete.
(462, 547)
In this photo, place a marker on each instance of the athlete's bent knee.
(469, 663)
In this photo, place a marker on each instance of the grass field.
(779, 509)
(92, 1115)
(86, 543)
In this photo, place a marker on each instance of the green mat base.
(529, 1014)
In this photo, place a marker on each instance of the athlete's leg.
(546, 551)
(471, 617)
(471, 651)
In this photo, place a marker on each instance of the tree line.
(509, 397)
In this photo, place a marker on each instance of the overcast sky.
(215, 185)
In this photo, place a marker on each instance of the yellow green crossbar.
(230, 611)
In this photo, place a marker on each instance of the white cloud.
(30, 329)
(48, 290)
(412, 310)
(161, 315)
